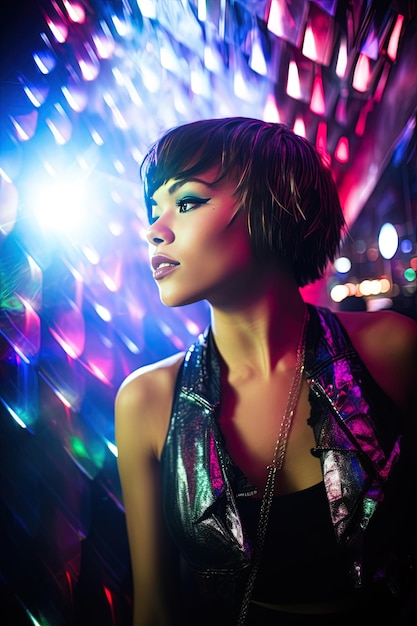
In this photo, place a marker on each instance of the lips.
(162, 266)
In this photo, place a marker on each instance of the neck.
(260, 334)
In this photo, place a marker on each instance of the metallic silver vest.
(358, 440)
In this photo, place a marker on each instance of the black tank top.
(301, 560)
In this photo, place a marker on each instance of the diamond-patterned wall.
(86, 86)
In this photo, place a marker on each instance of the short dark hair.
(282, 183)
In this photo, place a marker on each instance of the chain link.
(277, 463)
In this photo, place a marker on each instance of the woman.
(267, 472)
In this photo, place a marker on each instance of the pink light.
(112, 276)
(58, 29)
(32, 326)
(299, 127)
(275, 19)
(99, 357)
(179, 345)
(309, 44)
(88, 70)
(99, 373)
(362, 118)
(317, 104)
(192, 327)
(75, 12)
(65, 345)
(342, 58)
(271, 113)
(24, 333)
(69, 331)
(293, 81)
(395, 38)
(321, 141)
(342, 150)
(321, 137)
(362, 74)
(318, 35)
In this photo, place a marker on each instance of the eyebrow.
(179, 183)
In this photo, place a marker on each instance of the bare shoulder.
(143, 405)
(381, 331)
(387, 343)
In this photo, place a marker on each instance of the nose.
(159, 233)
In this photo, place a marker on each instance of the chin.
(173, 301)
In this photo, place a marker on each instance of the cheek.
(216, 241)
(231, 252)
(230, 232)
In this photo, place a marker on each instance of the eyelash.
(192, 200)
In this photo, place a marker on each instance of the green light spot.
(410, 274)
(78, 447)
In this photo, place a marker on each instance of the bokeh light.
(342, 265)
(87, 87)
(388, 240)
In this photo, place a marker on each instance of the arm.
(142, 407)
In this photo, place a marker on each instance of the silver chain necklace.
(277, 463)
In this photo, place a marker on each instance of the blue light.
(406, 246)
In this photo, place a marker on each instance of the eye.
(188, 203)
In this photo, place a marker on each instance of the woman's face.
(199, 242)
